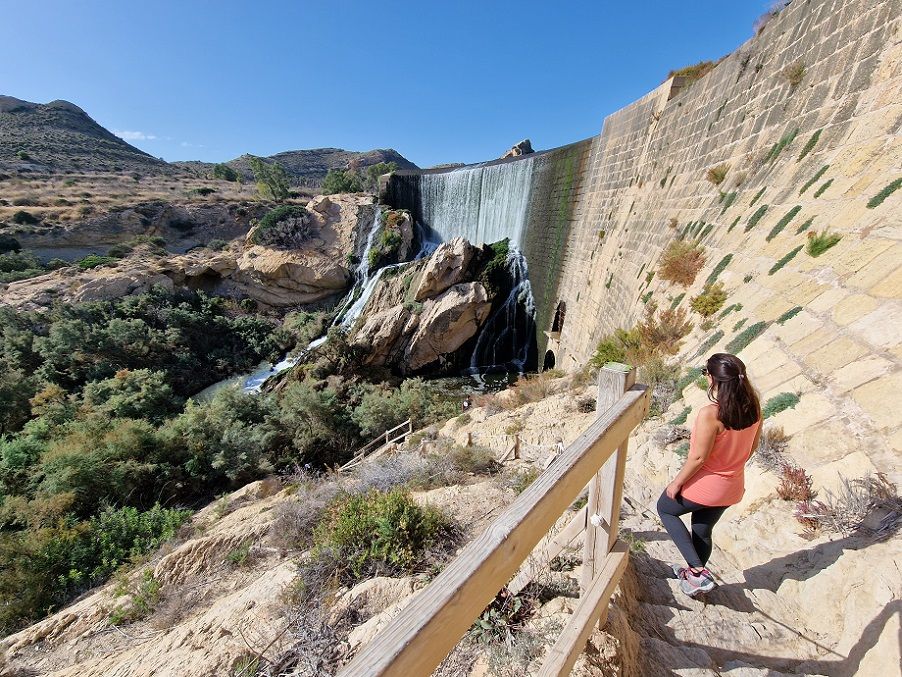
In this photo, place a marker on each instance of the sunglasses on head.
(704, 371)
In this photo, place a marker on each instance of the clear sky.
(438, 80)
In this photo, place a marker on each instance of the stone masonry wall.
(646, 185)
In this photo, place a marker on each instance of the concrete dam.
(593, 217)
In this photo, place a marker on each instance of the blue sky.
(438, 81)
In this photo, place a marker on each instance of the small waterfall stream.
(505, 339)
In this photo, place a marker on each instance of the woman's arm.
(706, 429)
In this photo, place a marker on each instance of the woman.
(723, 438)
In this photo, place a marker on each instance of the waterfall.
(483, 203)
(505, 340)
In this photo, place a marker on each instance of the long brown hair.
(738, 405)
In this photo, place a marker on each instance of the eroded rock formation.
(419, 317)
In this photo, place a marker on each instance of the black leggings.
(695, 549)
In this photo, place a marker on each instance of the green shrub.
(607, 285)
(615, 347)
(95, 260)
(376, 533)
(718, 269)
(224, 173)
(709, 342)
(739, 324)
(781, 224)
(805, 226)
(646, 297)
(823, 187)
(735, 221)
(275, 216)
(878, 199)
(676, 300)
(777, 148)
(755, 218)
(682, 450)
(729, 309)
(710, 300)
(217, 245)
(779, 403)
(749, 334)
(680, 418)
(691, 374)
(817, 175)
(818, 243)
(757, 196)
(748, 278)
(789, 256)
(24, 218)
(717, 174)
(118, 251)
(789, 314)
(681, 262)
(809, 145)
(706, 231)
(728, 201)
(8, 244)
(139, 394)
(143, 596)
(523, 478)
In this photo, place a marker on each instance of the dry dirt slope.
(790, 602)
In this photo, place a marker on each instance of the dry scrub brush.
(681, 262)
(869, 504)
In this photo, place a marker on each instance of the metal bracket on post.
(606, 488)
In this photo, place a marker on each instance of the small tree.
(341, 181)
(271, 179)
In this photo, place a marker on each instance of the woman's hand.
(673, 489)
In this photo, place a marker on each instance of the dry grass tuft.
(795, 484)
(869, 504)
(681, 262)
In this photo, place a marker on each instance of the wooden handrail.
(416, 641)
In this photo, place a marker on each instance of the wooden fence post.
(517, 445)
(606, 488)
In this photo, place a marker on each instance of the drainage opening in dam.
(549, 361)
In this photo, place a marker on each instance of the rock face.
(182, 226)
(522, 148)
(273, 274)
(417, 319)
(446, 267)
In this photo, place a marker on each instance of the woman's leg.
(670, 511)
(703, 521)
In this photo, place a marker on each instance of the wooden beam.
(613, 380)
(548, 548)
(571, 642)
(416, 641)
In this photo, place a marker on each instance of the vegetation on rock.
(710, 300)
(818, 243)
(271, 179)
(681, 262)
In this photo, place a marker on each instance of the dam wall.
(805, 119)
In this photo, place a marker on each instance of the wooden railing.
(415, 642)
(396, 434)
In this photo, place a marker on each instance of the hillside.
(59, 136)
(310, 166)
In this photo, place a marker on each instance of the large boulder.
(446, 323)
(448, 265)
(522, 148)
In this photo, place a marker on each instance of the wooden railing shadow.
(416, 641)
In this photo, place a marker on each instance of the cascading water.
(507, 338)
(483, 203)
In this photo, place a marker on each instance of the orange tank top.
(721, 479)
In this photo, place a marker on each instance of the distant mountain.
(309, 167)
(60, 136)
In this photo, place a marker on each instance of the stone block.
(853, 307)
(879, 399)
(836, 354)
(881, 327)
(813, 341)
(861, 371)
(813, 407)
